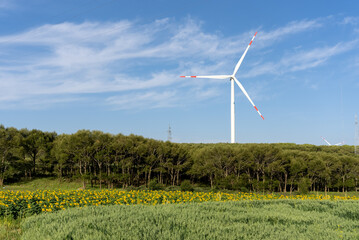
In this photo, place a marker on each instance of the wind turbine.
(233, 79)
(337, 144)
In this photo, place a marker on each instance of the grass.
(342, 194)
(276, 219)
(44, 184)
(10, 229)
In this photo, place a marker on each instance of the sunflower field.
(21, 204)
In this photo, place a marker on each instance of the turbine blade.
(326, 141)
(244, 54)
(245, 93)
(210, 76)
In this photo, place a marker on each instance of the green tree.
(80, 147)
(9, 146)
(101, 151)
(34, 146)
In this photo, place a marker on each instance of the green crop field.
(275, 219)
(261, 216)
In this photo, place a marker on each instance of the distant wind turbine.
(233, 79)
(337, 144)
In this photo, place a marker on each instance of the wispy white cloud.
(294, 27)
(314, 57)
(95, 58)
(161, 99)
(311, 85)
(303, 60)
(140, 63)
(351, 20)
(145, 100)
(40, 102)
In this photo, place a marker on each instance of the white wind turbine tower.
(233, 79)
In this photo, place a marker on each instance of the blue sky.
(114, 66)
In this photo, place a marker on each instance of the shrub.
(186, 186)
(244, 189)
(304, 185)
(155, 185)
(173, 188)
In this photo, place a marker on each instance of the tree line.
(108, 160)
